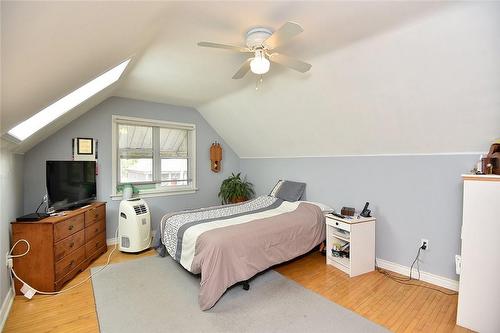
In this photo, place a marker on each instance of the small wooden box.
(347, 211)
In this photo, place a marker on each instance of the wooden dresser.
(61, 246)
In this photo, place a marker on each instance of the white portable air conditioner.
(134, 229)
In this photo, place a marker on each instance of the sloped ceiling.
(387, 77)
(429, 86)
(51, 48)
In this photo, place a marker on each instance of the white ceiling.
(368, 90)
(51, 48)
(175, 70)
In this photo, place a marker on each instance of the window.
(135, 150)
(156, 157)
(68, 102)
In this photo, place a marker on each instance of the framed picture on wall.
(85, 146)
(84, 149)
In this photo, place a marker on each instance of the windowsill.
(157, 193)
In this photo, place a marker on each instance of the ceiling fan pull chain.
(259, 83)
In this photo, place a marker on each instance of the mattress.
(231, 243)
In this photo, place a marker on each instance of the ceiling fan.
(262, 42)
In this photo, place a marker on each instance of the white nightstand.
(360, 234)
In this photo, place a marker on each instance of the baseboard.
(6, 306)
(424, 276)
(111, 241)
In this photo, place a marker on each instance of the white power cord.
(30, 291)
(10, 255)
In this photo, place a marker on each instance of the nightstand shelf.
(345, 262)
(360, 234)
(336, 234)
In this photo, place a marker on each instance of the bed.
(231, 243)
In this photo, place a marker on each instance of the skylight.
(68, 102)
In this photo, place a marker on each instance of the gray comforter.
(231, 243)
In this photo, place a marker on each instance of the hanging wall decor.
(215, 156)
(84, 149)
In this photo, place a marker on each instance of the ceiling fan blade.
(282, 35)
(289, 62)
(224, 46)
(245, 67)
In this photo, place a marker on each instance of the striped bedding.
(231, 243)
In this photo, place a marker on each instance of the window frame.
(156, 124)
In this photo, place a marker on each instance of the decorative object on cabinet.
(84, 149)
(491, 163)
(350, 244)
(215, 156)
(60, 246)
(347, 211)
(234, 189)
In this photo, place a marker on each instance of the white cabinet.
(479, 289)
(359, 236)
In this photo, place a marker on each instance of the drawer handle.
(70, 227)
(71, 263)
(96, 245)
(336, 223)
(96, 229)
(72, 244)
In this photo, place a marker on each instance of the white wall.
(429, 86)
(412, 197)
(97, 124)
(11, 204)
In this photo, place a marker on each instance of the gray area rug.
(156, 294)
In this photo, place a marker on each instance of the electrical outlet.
(424, 244)
(458, 264)
(8, 261)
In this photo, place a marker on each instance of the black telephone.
(366, 212)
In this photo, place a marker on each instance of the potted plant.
(234, 189)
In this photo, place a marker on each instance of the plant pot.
(238, 200)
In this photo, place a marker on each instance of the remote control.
(338, 215)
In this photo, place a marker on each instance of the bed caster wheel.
(246, 286)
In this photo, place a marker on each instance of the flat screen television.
(70, 183)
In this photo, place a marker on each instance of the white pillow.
(324, 208)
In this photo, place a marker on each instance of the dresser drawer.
(79, 268)
(70, 262)
(68, 227)
(95, 214)
(95, 244)
(94, 229)
(341, 225)
(68, 245)
(96, 255)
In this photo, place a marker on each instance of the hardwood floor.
(73, 311)
(397, 307)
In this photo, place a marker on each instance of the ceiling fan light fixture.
(259, 65)
(262, 42)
